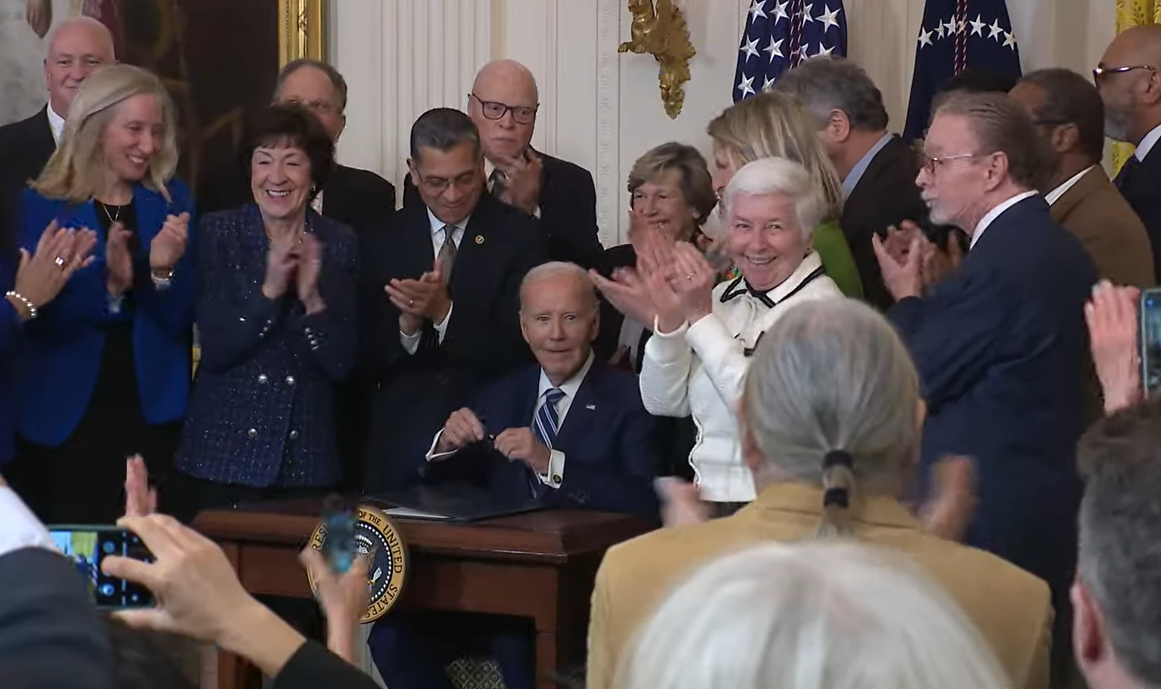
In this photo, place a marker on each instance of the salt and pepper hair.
(822, 84)
(776, 176)
(831, 375)
(76, 172)
(1001, 125)
(773, 125)
(557, 269)
(810, 615)
(1119, 560)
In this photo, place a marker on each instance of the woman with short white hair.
(819, 615)
(704, 335)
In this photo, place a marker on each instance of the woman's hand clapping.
(59, 253)
(169, 245)
(119, 260)
(306, 277)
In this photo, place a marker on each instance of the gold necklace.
(112, 218)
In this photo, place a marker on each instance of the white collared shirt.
(317, 203)
(56, 123)
(555, 475)
(1054, 195)
(20, 527)
(411, 342)
(995, 213)
(1147, 142)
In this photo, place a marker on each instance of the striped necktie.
(447, 251)
(544, 427)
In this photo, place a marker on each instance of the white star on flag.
(780, 11)
(807, 17)
(756, 9)
(775, 48)
(750, 48)
(924, 38)
(829, 18)
(767, 84)
(978, 27)
(1009, 39)
(824, 51)
(747, 87)
(996, 30)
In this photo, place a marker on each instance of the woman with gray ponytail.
(829, 425)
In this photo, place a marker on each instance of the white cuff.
(410, 342)
(21, 527)
(555, 475)
(667, 347)
(115, 303)
(432, 455)
(441, 327)
(536, 213)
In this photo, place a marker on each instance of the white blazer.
(700, 370)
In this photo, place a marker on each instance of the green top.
(831, 245)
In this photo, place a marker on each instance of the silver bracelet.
(23, 300)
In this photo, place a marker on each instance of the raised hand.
(59, 254)
(281, 262)
(521, 181)
(949, 510)
(342, 597)
(462, 428)
(902, 278)
(627, 292)
(118, 260)
(1113, 336)
(140, 499)
(307, 275)
(425, 298)
(519, 444)
(655, 264)
(169, 245)
(693, 281)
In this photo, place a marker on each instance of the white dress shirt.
(1054, 195)
(55, 123)
(1147, 142)
(995, 213)
(555, 475)
(19, 527)
(411, 342)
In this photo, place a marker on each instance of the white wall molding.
(608, 173)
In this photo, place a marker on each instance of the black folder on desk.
(451, 502)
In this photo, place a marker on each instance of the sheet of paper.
(409, 513)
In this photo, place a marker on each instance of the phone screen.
(339, 548)
(87, 547)
(1151, 339)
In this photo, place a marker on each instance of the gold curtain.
(1133, 13)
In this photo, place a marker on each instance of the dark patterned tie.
(447, 252)
(496, 183)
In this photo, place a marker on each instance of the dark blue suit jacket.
(609, 464)
(261, 412)
(1138, 182)
(1000, 348)
(65, 342)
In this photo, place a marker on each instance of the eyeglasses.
(1102, 72)
(930, 163)
(493, 110)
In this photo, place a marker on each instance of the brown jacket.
(1115, 238)
(1010, 607)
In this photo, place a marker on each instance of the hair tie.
(837, 458)
(840, 497)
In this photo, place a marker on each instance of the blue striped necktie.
(545, 426)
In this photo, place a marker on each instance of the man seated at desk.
(570, 431)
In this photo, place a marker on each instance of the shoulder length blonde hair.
(773, 125)
(76, 171)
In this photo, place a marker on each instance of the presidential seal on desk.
(375, 537)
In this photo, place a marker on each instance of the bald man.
(503, 104)
(76, 47)
(1129, 80)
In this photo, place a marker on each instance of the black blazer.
(1000, 346)
(50, 635)
(568, 211)
(1140, 183)
(413, 394)
(313, 666)
(885, 195)
(25, 148)
(357, 198)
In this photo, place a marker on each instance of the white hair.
(90, 22)
(777, 176)
(557, 269)
(814, 615)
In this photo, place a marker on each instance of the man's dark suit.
(609, 463)
(414, 393)
(885, 195)
(1139, 182)
(1000, 346)
(568, 211)
(50, 635)
(25, 148)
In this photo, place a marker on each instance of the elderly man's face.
(312, 89)
(766, 238)
(1122, 91)
(514, 94)
(77, 49)
(558, 316)
(954, 176)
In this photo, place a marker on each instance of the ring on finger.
(60, 262)
(411, 302)
(689, 277)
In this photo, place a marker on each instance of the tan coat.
(1115, 238)
(1010, 607)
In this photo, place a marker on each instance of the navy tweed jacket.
(261, 413)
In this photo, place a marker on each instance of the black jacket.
(25, 148)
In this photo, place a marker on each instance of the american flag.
(781, 34)
(957, 35)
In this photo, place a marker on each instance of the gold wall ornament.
(302, 30)
(662, 32)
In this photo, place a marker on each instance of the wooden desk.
(539, 565)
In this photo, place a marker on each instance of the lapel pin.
(479, 239)
(591, 407)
